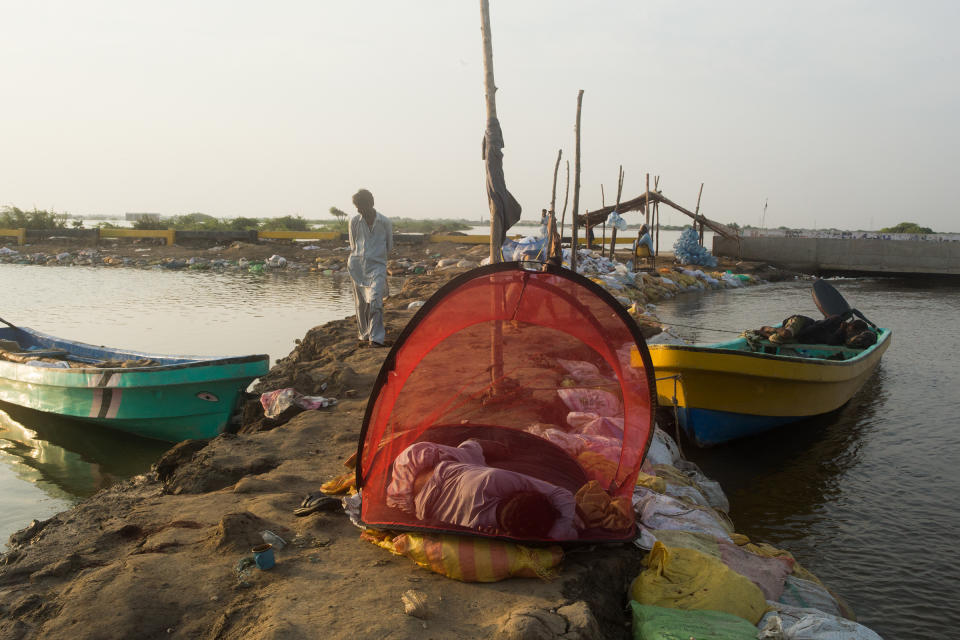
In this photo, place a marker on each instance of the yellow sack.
(651, 482)
(687, 579)
(470, 559)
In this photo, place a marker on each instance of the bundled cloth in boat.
(509, 408)
(832, 330)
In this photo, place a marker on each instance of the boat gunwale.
(713, 349)
(193, 361)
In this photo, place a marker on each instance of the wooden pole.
(563, 216)
(697, 211)
(576, 185)
(603, 240)
(496, 327)
(656, 218)
(490, 89)
(613, 231)
(646, 204)
(553, 192)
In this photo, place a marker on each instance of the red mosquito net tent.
(508, 408)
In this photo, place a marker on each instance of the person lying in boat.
(453, 485)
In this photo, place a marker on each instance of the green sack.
(659, 623)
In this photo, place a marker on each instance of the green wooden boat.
(164, 397)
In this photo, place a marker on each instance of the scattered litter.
(276, 402)
(244, 568)
(263, 557)
(271, 538)
(415, 603)
(789, 623)
(416, 304)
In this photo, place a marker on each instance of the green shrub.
(243, 224)
(149, 223)
(907, 227)
(15, 218)
(286, 223)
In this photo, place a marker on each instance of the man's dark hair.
(526, 514)
(362, 197)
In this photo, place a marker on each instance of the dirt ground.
(157, 556)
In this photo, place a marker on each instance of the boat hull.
(723, 393)
(182, 398)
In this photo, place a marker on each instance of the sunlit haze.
(838, 114)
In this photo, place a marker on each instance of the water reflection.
(74, 459)
(782, 481)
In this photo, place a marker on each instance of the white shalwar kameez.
(367, 265)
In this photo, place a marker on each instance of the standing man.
(371, 239)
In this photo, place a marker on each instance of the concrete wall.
(865, 255)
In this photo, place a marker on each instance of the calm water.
(44, 466)
(868, 499)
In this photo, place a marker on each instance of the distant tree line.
(907, 227)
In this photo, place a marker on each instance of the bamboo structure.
(639, 203)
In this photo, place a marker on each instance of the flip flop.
(315, 502)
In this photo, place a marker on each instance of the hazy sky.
(840, 113)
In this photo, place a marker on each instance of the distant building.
(137, 217)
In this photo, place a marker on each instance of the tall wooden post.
(603, 240)
(490, 89)
(553, 192)
(613, 231)
(566, 196)
(697, 212)
(554, 252)
(576, 186)
(656, 217)
(496, 303)
(646, 204)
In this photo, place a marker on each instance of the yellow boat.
(729, 390)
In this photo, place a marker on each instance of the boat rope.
(676, 415)
(689, 326)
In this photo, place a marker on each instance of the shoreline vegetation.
(12, 217)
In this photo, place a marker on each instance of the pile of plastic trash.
(642, 287)
(687, 250)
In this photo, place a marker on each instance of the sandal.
(315, 502)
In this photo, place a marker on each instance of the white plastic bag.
(794, 623)
(656, 511)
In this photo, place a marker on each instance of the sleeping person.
(453, 485)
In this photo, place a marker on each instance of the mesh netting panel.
(509, 408)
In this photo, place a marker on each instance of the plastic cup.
(263, 556)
